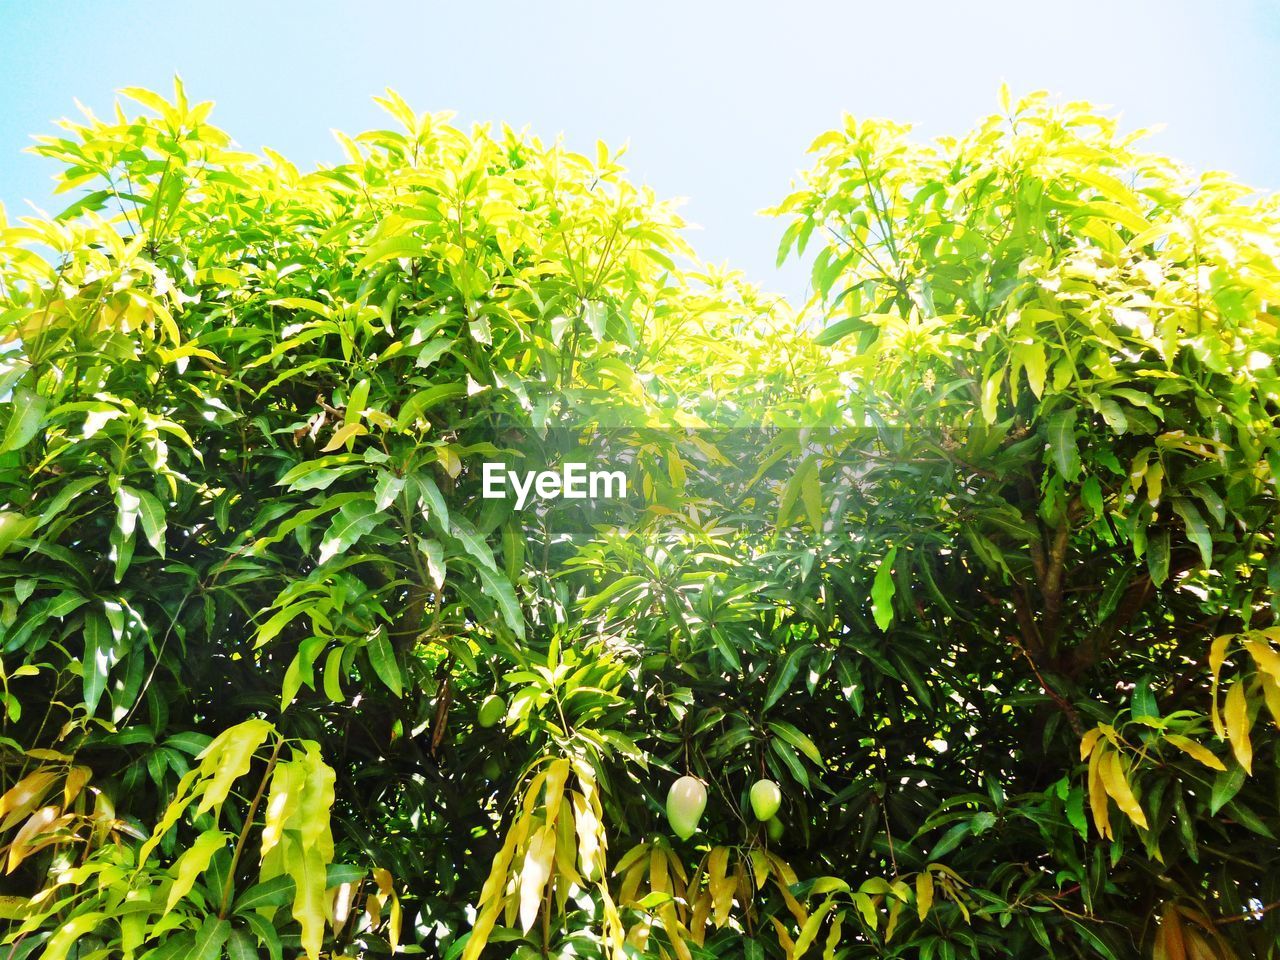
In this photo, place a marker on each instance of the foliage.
(943, 556)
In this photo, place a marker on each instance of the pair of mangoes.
(687, 798)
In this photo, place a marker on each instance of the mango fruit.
(686, 800)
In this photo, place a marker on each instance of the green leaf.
(950, 840)
(797, 739)
(783, 750)
(1091, 938)
(270, 893)
(1112, 591)
(387, 490)
(352, 522)
(432, 500)
(241, 946)
(356, 403)
(190, 742)
(784, 674)
(424, 400)
(383, 659)
(1036, 365)
(473, 543)
(839, 330)
(498, 588)
(209, 938)
(100, 655)
(64, 496)
(1075, 812)
(1158, 556)
(1197, 530)
(1225, 787)
(174, 947)
(152, 515)
(266, 933)
(14, 527)
(26, 417)
(69, 931)
(991, 395)
(1062, 444)
(882, 591)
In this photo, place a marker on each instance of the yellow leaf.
(393, 924)
(794, 905)
(307, 868)
(784, 938)
(759, 868)
(895, 910)
(77, 777)
(1237, 718)
(1088, 742)
(1196, 750)
(1098, 796)
(1265, 657)
(557, 775)
(43, 821)
(450, 460)
(924, 893)
(701, 913)
(1169, 944)
(481, 929)
(782, 869)
(181, 800)
(282, 803)
(1271, 693)
(591, 839)
(535, 873)
(1217, 654)
(344, 433)
(24, 795)
(721, 884)
(1112, 771)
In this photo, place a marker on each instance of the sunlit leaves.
(251, 585)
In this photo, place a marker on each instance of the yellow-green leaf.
(227, 758)
(1195, 750)
(193, 862)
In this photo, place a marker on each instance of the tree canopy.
(972, 556)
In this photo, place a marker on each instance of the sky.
(718, 101)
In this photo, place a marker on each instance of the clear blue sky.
(717, 99)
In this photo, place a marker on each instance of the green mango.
(774, 830)
(493, 709)
(686, 800)
(766, 798)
